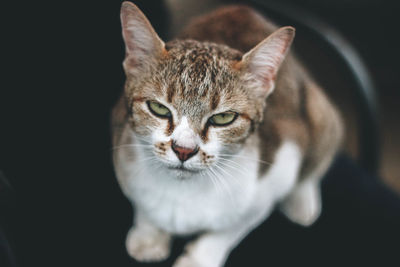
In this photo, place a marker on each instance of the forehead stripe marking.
(215, 100)
(204, 132)
(170, 93)
(138, 99)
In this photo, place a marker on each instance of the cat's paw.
(147, 247)
(303, 206)
(187, 261)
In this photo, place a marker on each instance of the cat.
(214, 130)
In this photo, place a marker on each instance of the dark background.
(60, 77)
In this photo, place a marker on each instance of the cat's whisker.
(240, 182)
(234, 178)
(225, 186)
(140, 170)
(217, 188)
(142, 139)
(222, 166)
(233, 164)
(222, 170)
(146, 159)
(243, 157)
(243, 170)
(156, 166)
(217, 180)
(231, 176)
(230, 161)
(235, 167)
(221, 189)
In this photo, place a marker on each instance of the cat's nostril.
(184, 153)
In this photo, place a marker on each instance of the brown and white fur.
(273, 155)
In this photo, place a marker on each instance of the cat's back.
(238, 26)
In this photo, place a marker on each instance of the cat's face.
(194, 104)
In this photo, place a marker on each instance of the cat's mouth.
(183, 169)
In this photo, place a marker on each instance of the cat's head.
(191, 102)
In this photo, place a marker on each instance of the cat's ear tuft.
(142, 43)
(264, 60)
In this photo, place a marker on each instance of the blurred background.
(60, 204)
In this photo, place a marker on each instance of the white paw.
(303, 205)
(187, 261)
(304, 215)
(148, 247)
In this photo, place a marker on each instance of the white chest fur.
(206, 201)
(185, 206)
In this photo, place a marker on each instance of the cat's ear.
(264, 60)
(142, 43)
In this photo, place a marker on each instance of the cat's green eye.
(159, 109)
(223, 119)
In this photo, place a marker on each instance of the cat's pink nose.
(184, 153)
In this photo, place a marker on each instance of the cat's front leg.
(209, 250)
(303, 204)
(212, 248)
(147, 243)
